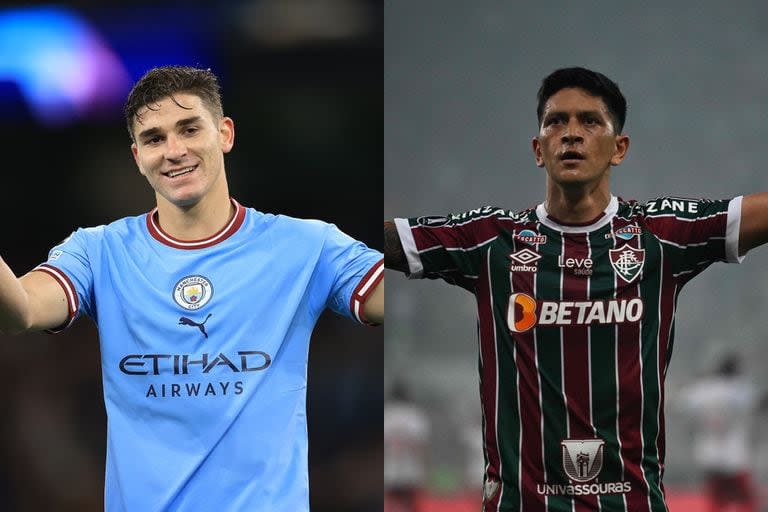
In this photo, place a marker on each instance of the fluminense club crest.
(193, 292)
(627, 262)
(582, 458)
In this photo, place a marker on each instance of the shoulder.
(314, 227)
(123, 228)
(286, 227)
(481, 214)
(672, 205)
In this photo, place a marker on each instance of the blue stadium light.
(63, 69)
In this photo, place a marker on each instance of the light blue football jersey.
(204, 349)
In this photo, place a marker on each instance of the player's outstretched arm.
(394, 256)
(31, 303)
(373, 309)
(753, 230)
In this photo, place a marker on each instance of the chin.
(183, 200)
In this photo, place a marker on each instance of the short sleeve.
(68, 264)
(695, 232)
(451, 247)
(353, 269)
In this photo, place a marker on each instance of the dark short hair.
(596, 84)
(167, 81)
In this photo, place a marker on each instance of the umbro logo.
(522, 260)
(188, 321)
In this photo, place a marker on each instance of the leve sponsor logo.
(524, 312)
(579, 266)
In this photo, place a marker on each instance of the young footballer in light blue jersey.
(205, 309)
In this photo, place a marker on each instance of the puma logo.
(186, 321)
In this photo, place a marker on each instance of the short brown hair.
(166, 81)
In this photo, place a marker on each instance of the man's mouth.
(572, 155)
(175, 173)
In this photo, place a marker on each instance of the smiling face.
(577, 143)
(180, 148)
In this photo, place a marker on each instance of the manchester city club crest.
(582, 458)
(193, 292)
(627, 262)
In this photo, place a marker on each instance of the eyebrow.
(181, 123)
(580, 113)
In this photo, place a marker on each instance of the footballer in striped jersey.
(576, 308)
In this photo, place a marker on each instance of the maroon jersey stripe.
(465, 236)
(488, 380)
(576, 368)
(667, 310)
(687, 231)
(532, 464)
(227, 231)
(630, 394)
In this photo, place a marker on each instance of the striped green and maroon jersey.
(576, 324)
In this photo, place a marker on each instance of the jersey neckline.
(601, 221)
(227, 231)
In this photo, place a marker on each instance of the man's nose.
(175, 148)
(572, 134)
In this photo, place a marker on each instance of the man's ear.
(622, 146)
(135, 152)
(227, 134)
(537, 152)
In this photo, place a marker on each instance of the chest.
(551, 265)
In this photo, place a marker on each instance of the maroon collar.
(230, 229)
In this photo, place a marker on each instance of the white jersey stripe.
(69, 292)
(496, 404)
(415, 268)
(364, 288)
(732, 231)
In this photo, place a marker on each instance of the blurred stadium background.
(303, 81)
(460, 80)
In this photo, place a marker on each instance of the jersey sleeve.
(353, 269)
(68, 264)
(448, 248)
(695, 232)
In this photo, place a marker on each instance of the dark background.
(303, 81)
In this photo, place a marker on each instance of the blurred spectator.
(406, 441)
(722, 407)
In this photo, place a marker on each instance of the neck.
(195, 222)
(578, 205)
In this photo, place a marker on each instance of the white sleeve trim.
(69, 290)
(416, 269)
(732, 231)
